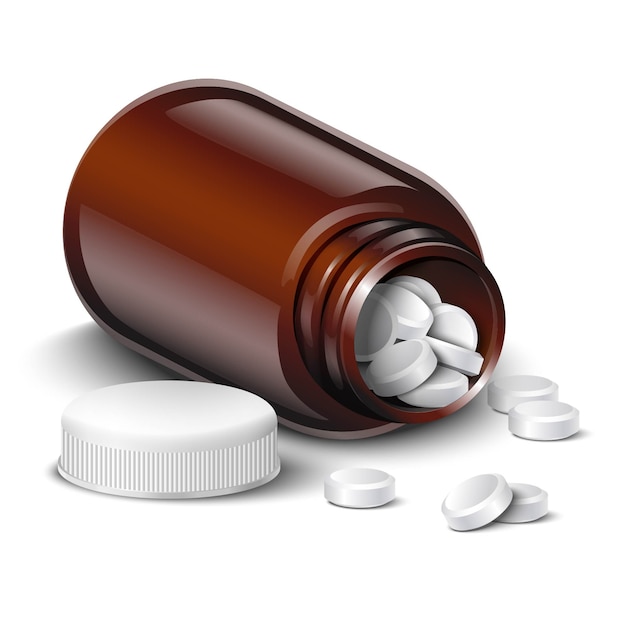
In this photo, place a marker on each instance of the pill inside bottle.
(429, 374)
(235, 239)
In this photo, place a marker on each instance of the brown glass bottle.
(235, 239)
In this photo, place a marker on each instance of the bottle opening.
(363, 305)
(380, 342)
(435, 354)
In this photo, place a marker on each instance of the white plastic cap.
(169, 439)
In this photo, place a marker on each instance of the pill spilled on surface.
(544, 420)
(505, 393)
(533, 407)
(487, 498)
(477, 501)
(529, 503)
(411, 345)
(359, 488)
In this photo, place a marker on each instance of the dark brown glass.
(235, 239)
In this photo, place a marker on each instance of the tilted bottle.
(232, 238)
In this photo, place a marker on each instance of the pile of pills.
(533, 407)
(411, 345)
(488, 498)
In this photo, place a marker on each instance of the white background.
(518, 110)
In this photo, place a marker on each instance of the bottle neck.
(341, 276)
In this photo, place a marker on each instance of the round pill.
(544, 420)
(419, 287)
(476, 502)
(376, 327)
(503, 394)
(529, 504)
(458, 358)
(169, 439)
(359, 488)
(455, 325)
(401, 367)
(414, 316)
(443, 387)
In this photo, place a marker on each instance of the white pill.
(419, 287)
(169, 439)
(477, 501)
(458, 358)
(455, 325)
(544, 420)
(529, 504)
(401, 367)
(376, 327)
(503, 394)
(443, 387)
(414, 316)
(359, 488)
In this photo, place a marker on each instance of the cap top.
(168, 416)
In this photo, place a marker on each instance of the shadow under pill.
(394, 504)
(583, 433)
(496, 526)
